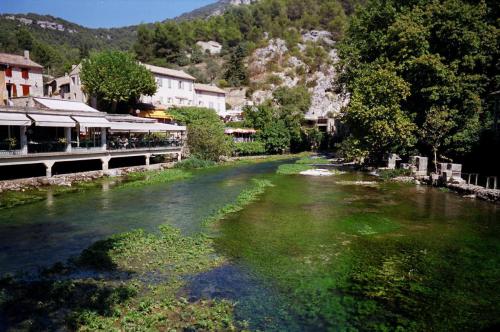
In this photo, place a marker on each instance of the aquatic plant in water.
(246, 197)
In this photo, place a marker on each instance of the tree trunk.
(114, 105)
(435, 161)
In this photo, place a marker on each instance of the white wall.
(170, 94)
(35, 81)
(75, 87)
(216, 101)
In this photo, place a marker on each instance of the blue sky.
(104, 13)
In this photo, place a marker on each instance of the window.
(190, 86)
(170, 100)
(169, 83)
(159, 82)
(211, 104)
(26, 89)
(25, 73)
(180, 85)
(11, 90)
(8, 72)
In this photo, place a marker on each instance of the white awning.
(169, 127)
(92, 122)
(14, 119)
(43, 120)
(66, 105)
(136, 127)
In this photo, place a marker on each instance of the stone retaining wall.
(69, 179)
(492, 195)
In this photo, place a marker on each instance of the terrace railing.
(129, 144)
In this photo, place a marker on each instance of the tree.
(143, 46)
(206, 138)
(375, 116)
(275, 137)
(436, 129)
(445, 52)
(115, 77)
(236, 74)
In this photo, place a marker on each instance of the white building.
(19, 77)
(68, 87)
(210, 96)
(175, 88)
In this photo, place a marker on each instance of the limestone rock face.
(274, 66)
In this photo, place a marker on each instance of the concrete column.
(48, 168)
(148, 156)
(104, 141)
(67, 136)
(24, 140)
(105, 163)
(179, 157)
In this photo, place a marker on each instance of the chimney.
(26, 54)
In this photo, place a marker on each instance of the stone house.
(68, 87)
(19, 77)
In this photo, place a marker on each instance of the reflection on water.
(49, 231)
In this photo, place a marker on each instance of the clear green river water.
(312, 254)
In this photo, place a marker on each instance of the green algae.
(384, 258)
(246, 197)
(290, 169)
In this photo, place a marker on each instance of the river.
(339, 253)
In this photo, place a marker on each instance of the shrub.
(249, 148)
(387, 174)
(274, 79)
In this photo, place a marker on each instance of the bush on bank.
(249, 148)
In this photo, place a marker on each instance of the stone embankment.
(69, 179)
(473, 191)
(464, 189)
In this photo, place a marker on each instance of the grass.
(246, 197)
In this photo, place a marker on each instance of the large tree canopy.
(116, 77)
(405, 60)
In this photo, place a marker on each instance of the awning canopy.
(92, 122)
(14, 119)
(144, 127)
(230, 131)
(43, 120)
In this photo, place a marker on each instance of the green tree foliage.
(280, 121)
(242, 26)
(116, 77)
(206, 138)
(236, 73)
(403, 61)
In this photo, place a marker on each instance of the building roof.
(18, 60)
(169, 72)
(66, 105)
(208, 88)
(60, 81)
